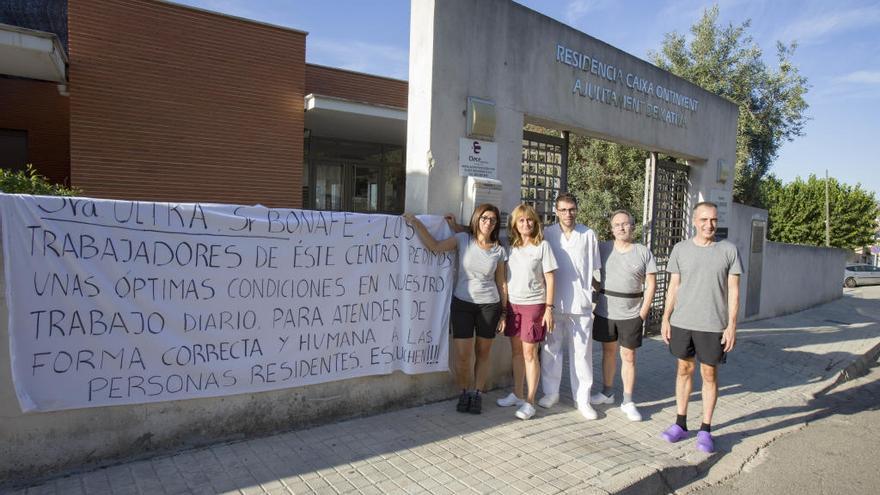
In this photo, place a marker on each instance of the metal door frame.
(756, 267)
(543, 143)
(665, 223)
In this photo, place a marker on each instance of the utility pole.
(827, 214)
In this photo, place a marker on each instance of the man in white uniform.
(576, 251)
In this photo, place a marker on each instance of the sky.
(837, 52)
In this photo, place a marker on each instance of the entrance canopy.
(31, 54)
(333, 117)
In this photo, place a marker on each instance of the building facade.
(157, 101)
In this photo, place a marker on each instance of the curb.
(858, 367)
(653, 481)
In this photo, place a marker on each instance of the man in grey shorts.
(626, 288)
(700, 317)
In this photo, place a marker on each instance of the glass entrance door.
(354, 176)
(328, 187)
(365, 188)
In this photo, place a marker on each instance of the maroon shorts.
(524, 321)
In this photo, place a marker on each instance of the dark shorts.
(628, 332)
(706, 346)
(525, 321)
(468, 318)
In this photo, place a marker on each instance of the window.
(13, 149)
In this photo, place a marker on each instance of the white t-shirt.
(578, 258)
(526, 266)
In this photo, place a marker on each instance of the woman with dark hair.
(530, 267)
(479, 298)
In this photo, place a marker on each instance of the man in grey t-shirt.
(626, 289)
(700, 317)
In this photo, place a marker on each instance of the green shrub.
(30, 182)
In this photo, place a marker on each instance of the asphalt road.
(836, 453)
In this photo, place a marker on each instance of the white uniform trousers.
(577, 332)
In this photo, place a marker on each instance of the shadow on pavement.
(762, 390)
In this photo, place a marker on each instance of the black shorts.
(706, 346)
(466, 317)
(628, 332)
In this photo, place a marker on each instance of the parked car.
(854, 275)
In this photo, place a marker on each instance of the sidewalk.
(767, 388)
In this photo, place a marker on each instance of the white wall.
(799, 277)
(740, 225)
(793, 277)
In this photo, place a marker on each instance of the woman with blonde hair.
(530, 266)
(479, 297)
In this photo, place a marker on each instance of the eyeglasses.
(567, 210)
(491, 220)
(621, 225)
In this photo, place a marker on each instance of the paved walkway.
(767, 388)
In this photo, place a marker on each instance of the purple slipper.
(705, 442)
(674, 434)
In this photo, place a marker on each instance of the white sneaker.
(525, 411)
(632, 413)
(600, 398)
(510, 400)
(548, 401)
(588, 412)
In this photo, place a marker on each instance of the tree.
(727, 62)
(606, 177)
(797, 213)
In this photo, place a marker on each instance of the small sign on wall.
(477, 159)
(723, 198)
(479, 191)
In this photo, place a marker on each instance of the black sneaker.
(464, 402)
(476, 403)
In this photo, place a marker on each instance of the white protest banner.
(124, 302)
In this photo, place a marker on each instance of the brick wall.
(38, 108)
(174, 104)
(365, 88)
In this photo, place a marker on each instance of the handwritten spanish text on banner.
(123, 302)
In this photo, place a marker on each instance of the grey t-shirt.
(526, 266)
(701, 301)
(624, 273)
(475, 281)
